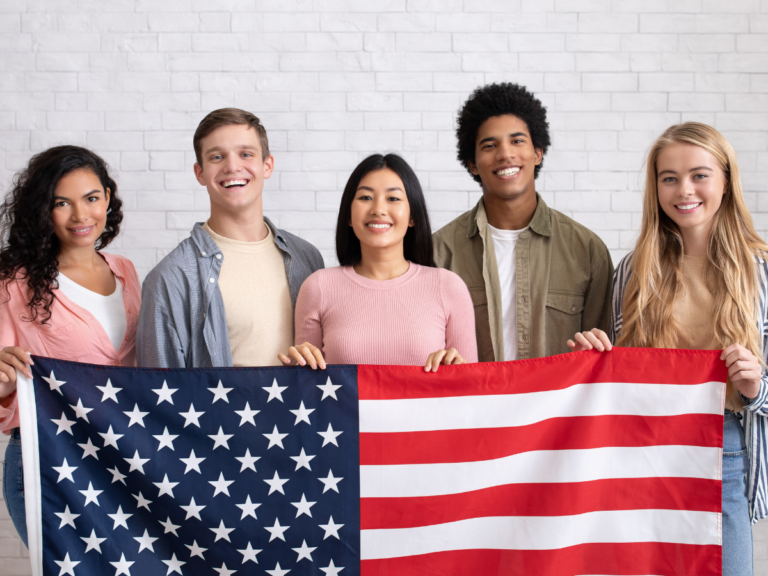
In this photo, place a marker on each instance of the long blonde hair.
(656, 264)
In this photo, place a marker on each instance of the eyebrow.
(368, 188)
(691, 170)
(240, 147)
(91, 193)
(514, 135)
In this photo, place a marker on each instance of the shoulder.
(323, 278)
(300, 247)
(455, 226)
(565, 225)
(177, 266)
(450, 283)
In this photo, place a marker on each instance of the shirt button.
(525, 337)
(522, 262)
(203, 253)
(218, 256)
(203, 315)
(573, 308)
(211, 280)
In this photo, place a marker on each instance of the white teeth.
(508, 171)
(229, 183)
(687, 206)
(379, 225)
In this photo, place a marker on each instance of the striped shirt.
(756, 411)
(183, 323)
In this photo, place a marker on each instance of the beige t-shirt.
(257, 299)
(694, 312)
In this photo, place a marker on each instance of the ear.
(269, 166)
(199, 174)
(539, 155)
(473, 167)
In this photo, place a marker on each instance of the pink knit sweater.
(356, 320)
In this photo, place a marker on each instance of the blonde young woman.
(698, 279)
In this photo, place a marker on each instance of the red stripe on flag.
(560, 499)
(581, 432)
(615, 559)
(632, 365)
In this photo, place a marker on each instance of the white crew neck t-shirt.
(109, 311)
(505, 244)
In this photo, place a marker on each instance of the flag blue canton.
(149, 472)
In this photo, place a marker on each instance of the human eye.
(668, 179)
(393, 199)
(700, 176)
(364, 197)
(215, 157)
(59, 204)
(92, 199)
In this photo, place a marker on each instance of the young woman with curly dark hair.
(59, 296)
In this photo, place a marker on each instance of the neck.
(695, 242)
(245, 226)
(382, 264)
(510, 213)
(83, 258)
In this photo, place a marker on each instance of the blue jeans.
(13, 485)
(737, 528)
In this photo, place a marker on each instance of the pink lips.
(81, 231)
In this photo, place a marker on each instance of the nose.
(80, 212)
(379, 206)
(231, 163)
(504, 150)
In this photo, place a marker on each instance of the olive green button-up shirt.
(564, 274)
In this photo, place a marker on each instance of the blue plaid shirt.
(182, 323)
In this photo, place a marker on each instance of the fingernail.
(302, 362)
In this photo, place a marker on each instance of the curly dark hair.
(498, 100)
(31, 247)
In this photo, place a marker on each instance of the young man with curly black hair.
(536, 276)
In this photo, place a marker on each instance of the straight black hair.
(417, 244)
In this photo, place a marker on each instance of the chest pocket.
(563, 317)
(63, 344)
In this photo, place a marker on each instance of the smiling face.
(380, 214)
(233, 170)
(505, 158)
(691, 185)
(79, 212)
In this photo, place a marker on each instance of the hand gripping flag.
(582, 463)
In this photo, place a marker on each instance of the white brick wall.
(334, 80)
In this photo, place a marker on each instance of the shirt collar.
(540, 223)
(207, 247)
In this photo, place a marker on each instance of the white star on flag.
(170, 527)
(117, 476)
(191, 417)
(221, 485)
(136, 416)
(145, 542)
(329, 389)
(302, 414)
(331, 570)
(165, 394)
(141, 502)
(67, 518)
(65, 424)
(331, 529)
(329, 436)
(110, 438)
(276, 531)
(247, 461)
(276, 484)
(248, 508)
(120, 517)
(249, 554)
(192, 509)
(109, 392)
(174, 565)
(166, 487)
(195, 550)
(220, 393)
(137, 463)
(55, 385)
(275, 438)
(89, 449)
(246, 415)
(122, 566)
(93, 542)
(67, 566)
(275, 391)
(65, 471)
(224, 571)
(222, 532)
(277, 571)
(303, 507)
(91, 495)
(165, 439)
(302, 460)
(220, 439)
(304, 552)
(193, 463)
(330, 483)
(81, 411)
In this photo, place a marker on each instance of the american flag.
(577, 464)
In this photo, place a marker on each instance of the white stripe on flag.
(544, 532)
(500, 411)
(409, 480)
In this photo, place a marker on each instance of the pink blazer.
(72, 333)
